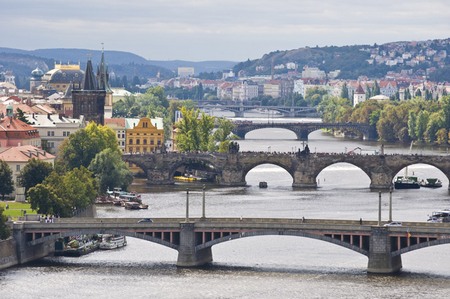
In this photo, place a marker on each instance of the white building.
(54, 128)
(313, 73)
(17, 157)
(245, 91)
(185, 72)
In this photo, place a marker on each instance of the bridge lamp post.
(390, 204)
(187, 205)
(379, 208)
(203, 203)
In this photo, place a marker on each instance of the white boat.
(440, 216)
(112, 241)
(431, 183)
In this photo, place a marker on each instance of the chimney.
(48, 116)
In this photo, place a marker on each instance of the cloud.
(207, 29)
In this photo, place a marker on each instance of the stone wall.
(8, 256)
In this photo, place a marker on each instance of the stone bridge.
(303, 129)
(239, 110)
(231, 169)
(193, 238)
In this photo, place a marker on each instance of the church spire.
(89, 82)
(102, 74)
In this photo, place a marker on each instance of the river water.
(264, 266)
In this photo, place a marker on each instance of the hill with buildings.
(425, 59)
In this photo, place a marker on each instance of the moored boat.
(431, 183)
(406, 182)
(112, 241)
(440, 216)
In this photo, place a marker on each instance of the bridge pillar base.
(188, 256)
(380, 259)
(196, 259)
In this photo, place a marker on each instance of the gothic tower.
(89, 99)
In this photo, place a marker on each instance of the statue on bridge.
(304, 152)
(233, 147)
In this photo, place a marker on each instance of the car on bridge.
(393, 223)
(145, 220)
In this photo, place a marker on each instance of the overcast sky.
(201, 30)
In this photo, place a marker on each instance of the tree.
(34, 173)
(21, 116)
(6, 179)
(82, 146)
(110, 170)
(63, 194)
(44, 200)
(4, 229)
(223, 134)
(421, 124)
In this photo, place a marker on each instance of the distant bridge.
(231, 169)
(193, 238)
(303, 129)
(239, 110)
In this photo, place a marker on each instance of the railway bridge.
(231, 168)
(194, 238)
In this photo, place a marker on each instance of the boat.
(132, 205)
(431, 183)
(185, 178)
(77, 246)
(406, 182)
(440, 216)
(109, 241)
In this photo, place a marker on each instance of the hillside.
(120, 63)
(374, 61)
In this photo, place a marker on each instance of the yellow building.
(145, 137)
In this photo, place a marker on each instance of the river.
(264, 266)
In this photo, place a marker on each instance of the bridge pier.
(303, 180)
(188, 256)
(26, 253)
(380, 259)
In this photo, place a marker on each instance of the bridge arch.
(364, 250)
(280, 163)
(143, 236)
(421, 245)
(401, 169)
(259, 173)
(325, 176)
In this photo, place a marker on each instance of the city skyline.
(200, 30)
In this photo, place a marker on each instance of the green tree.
(376, 89)
(412, 120)
(223, 135)
(421, 124)
(344, 91)
(21, 116)
(4, 229)
(44, 200)
(110, 170)
(82, 146)
(433, 126)
(6, 179)
(34, 172)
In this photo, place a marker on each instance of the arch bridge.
(232, 168)
(193, 238)
(303, 129)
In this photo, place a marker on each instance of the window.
(145, 141)
(66, 133)
(138, 141)
(152, 142)
(17, 167)
(131, 141)
(50, 133)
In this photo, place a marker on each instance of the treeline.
(417, 119)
